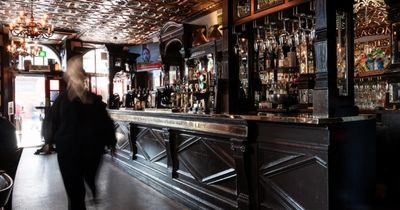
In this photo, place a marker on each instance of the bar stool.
(6, 184)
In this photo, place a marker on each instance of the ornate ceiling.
(110, 21)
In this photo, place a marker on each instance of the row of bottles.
(288, 56)
(185, 98)
(284, 58)
(279, 90)
(285, 40)
(200, 83)
(137, 99)
(195, 92)
(371, 94)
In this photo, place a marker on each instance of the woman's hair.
(76, 77)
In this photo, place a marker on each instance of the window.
(47, 55)
(54, 90)
(95, 63)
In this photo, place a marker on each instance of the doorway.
(29, 98)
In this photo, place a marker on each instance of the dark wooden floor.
(38, 186)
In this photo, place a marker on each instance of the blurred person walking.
(80, 127)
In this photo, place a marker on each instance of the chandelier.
(26, 27)
(22, 48)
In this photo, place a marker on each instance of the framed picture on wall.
(149, 58)
(266, 4)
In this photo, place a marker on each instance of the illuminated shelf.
(370, 73)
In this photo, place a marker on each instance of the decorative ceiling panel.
(110, 21)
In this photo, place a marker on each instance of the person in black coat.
(9, 151)
(79, 125)
(8, 139)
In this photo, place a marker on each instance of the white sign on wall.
(10, 108)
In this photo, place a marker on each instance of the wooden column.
(229, 80)
(7, 77)
(170, 137)
(326, 100)
(241, 157)
(132, 140)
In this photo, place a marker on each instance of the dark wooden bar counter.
(197, 159)
(248, 104)
(250, 162)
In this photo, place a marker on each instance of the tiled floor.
(38, 186)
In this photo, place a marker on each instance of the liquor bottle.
(310, 60)
(281, 58)
(302, 56)
(268, 60)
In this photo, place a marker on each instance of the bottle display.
(198, 95)
(373, 88)
(284, 59)
(370, 93)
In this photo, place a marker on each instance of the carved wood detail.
(150, 145)
(122, 132)
(200, 164)
(286, 177)
(194, 151)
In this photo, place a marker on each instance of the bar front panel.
(200, 168)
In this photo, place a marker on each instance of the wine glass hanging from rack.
(290, 30)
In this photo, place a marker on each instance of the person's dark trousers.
(92, 162)
(72, 172)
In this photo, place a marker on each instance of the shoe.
(38, 151)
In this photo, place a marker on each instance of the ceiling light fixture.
(22, 48)
(26, 27)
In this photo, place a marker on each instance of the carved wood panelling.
(115, 21)
(122, 133)
(151, 146)
(206, 161)
(288, 179)
(204, 168)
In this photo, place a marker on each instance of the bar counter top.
(218, 124)
(302, 118)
